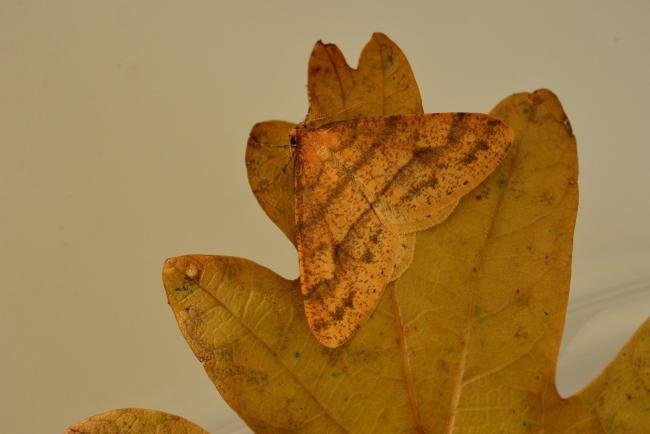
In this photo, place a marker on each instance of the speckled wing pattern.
(363, 188)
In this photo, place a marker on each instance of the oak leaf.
(134, 421)
(466, 341)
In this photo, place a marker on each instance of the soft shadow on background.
(122, 131)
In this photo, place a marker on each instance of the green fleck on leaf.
(501, 181)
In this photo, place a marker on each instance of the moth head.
(297, 134)
(293, 136)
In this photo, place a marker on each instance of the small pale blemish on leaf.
(567, 125)
(192, 271)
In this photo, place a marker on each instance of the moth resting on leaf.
(363, 188)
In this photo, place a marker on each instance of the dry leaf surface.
(135, 421)
(466, 341)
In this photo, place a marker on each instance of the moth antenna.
(321, 116)
(293, 142)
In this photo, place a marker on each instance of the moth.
(363, 188)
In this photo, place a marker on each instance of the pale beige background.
(122, 133)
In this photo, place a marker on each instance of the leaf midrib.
(459, 384)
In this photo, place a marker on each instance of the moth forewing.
(363, 188)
